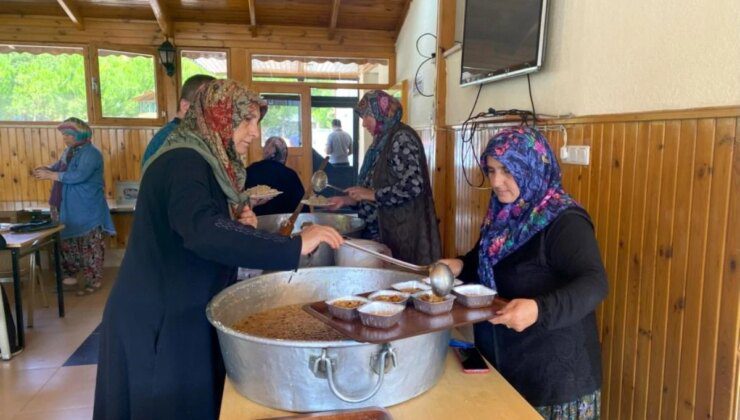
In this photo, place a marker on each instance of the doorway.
(324, 110)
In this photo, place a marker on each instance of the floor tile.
(69, 387)
(17, 388)
(83, 413)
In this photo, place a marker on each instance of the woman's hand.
(45, 173)
(518, 314)
(248, 217)
(455, 265)
(360, 193)
(336, 203)
(314, 235)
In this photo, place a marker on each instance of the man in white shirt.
(338, 145)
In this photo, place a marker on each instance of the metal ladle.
(319, 182)
(440, 276)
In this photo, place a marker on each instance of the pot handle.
(325, 363)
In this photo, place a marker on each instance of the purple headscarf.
(527, 156)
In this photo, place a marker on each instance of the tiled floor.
(34, 384)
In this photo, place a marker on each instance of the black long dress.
(558, 359)
(280, 177)
(159, 356)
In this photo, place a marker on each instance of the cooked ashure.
(287, 323)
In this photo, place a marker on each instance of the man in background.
(338, 145)
(187, 95)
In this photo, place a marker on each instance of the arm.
(90, 161)
(194, 214)
(572, 251)
(406, 165)
(328, 144)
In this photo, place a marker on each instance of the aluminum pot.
(345, 256)
(321, 375)
(323, 256)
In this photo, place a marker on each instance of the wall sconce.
(167, 53)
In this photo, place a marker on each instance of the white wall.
(612, 57)
(422, 17)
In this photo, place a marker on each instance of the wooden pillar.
(444, 145)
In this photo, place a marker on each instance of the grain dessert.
(287, 323)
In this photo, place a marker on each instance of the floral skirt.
(84, 254)
(585, 408)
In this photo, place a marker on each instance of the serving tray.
(412, 322)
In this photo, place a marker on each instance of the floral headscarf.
(527, 156)
(82, 134)
(275, 149)
(387, 112)
(208, 128)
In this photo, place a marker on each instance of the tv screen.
(502, 38)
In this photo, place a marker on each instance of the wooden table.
(456, 396)
(21, 244)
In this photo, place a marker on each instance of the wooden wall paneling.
(38, 142)
(665, 232)
(103, 142)
(720, 173)
(601, 210)
(637, 235)
(649, 251)
(613, 214)
(6, 180)
(618, 283)
(725, 404)
(678, 275)
(695, 270)
(15, 176)
(23, 140)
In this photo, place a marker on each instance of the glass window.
(42, 83)
(275, 68)
(345, 93)
(128, 87)
(283, 118)
(212, 63)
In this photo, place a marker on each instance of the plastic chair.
(29, 270)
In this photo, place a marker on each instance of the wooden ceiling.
(383, 15)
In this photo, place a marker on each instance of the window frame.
(96, 112)
(204, 49)
(85, 59)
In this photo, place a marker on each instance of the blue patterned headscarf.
(527, 156)
(387, 112)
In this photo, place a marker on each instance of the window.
(283, 118)
(39, 83)
(275, 68)
(212, 63)
(128, 87)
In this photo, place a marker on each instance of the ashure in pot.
(321, 375)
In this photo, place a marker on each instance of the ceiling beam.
(334, 17)
(74, 15)
(164, 22)
(252, 18)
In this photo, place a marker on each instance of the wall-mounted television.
(502, 38)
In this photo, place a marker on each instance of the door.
(288, 116)
(324, 111)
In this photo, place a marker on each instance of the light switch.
(575, 155)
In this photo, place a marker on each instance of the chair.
(29, 273)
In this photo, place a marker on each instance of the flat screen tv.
(502, 38)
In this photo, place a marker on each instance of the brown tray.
(370, 413)
(412, 322)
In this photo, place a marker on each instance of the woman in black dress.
(538, 249)
(159, 356)
(271, 171)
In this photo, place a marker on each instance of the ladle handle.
(336, 188)
(404, 264)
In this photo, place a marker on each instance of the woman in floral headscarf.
(159, 356)
(78, 201)
(394, 195)
(537, 248)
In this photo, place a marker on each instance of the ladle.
(286, 228)
(319, 182)
(440, 276)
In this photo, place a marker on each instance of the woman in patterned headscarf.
(159, 356)
(273, 172)
(537, 248)
(394, 195)
(78, 201)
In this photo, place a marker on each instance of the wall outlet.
(575, 155)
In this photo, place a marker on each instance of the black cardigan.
(558, 359)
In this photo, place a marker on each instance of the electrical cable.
(534, 113)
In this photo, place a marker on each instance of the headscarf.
(387, 112)
(82, 134)
(208, 128)
(527, 156)
(275, 149)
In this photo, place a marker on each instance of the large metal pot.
(321, 375)
(323, 256)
